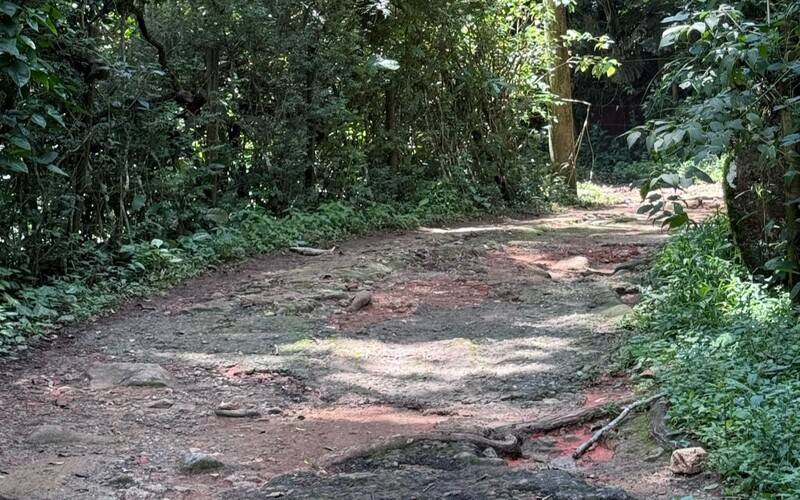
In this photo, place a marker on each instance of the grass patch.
(591, 195)
(725, 348)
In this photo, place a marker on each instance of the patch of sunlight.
(594, 195)
(467, 344)
(482, 229)
(301, 345)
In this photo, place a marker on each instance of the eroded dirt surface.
(469, 327)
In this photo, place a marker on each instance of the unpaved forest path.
(469, 327)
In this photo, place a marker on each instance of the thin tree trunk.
(562, 121)
(391, 127)
(792, 200)
(213, 140)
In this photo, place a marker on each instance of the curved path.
(469, 327)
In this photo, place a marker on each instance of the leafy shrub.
(725, 349)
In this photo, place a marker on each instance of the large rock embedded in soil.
(108, 375)
(429, 471)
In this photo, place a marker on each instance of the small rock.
(649, 373)
(564, 463)
(275, 411)
(688, 461)
(108, 375)
(466, 456)
(56, 434)
(490, 453)
(195, 462)
(360, 301)
(161, 404)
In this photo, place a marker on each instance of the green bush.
(725, 349)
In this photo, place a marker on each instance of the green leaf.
(47, 158)
(9, 46)
(14, 165)
(790, 140)
(39, 120)
(55, 115)
(694, 171)
(57, 170)
(633, 137)
(8, 8)
(20, 142)
(138, 202)
(19, 72)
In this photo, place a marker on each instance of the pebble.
(196, 461)
(161, 404)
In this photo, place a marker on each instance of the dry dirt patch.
(404, 297)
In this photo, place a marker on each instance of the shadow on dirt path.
(469, 327)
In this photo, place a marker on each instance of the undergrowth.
(29, 310)
(725, 349)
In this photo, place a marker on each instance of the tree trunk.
(213, 140)
(562, 121)
(391, 126)
(792, 177)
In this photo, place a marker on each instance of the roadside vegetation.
(143, 142)
(723, 346)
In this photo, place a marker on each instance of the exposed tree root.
(510, 446)
(549, 424)
(613, 424)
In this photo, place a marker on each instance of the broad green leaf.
(633, 137)
(20, 142)
(56, 170)
(8, 8)
(9, 46)
(19, 72)
(47, 158)
(14, 165)
(39, 120)
(790, 140)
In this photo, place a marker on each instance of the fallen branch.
(613, 424)
(312, 252)
(510, 446)
(559, 422)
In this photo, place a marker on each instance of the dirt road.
(469, 328)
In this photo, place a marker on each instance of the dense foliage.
(724, 348)
(127, 122)
(731, 88)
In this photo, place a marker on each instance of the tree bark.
(792, 201)
(562, 120)
(213, 140)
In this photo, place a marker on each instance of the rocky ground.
(244, 383)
